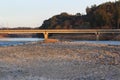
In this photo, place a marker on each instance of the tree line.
(103, 16)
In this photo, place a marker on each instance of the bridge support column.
(97, 36)
(45, 36)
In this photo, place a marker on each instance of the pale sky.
(32, 13)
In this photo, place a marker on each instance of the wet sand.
(60, 61)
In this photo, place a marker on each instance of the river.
(102, 42)
(17, 41)
(21, 41)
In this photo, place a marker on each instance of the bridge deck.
(47, 31)
(61, 31)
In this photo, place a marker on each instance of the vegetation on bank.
(106, 15)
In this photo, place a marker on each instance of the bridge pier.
(45, 35)
(97, 36)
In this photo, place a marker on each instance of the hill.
(106, 15)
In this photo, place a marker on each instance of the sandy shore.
(60, 61)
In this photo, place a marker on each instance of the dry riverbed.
(60, 61)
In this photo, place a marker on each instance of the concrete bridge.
(97, 32)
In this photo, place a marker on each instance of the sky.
(32, 13)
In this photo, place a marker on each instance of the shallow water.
(102, 42)
(17, 41)
(21, 41)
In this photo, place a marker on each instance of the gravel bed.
(60, 61)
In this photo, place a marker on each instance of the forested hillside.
(106, 15)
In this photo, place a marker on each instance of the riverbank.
(60, 61)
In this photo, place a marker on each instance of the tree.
(78, 14)
(88, 10)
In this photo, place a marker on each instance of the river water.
(21, 41)
(102, 42)
(17, 41)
